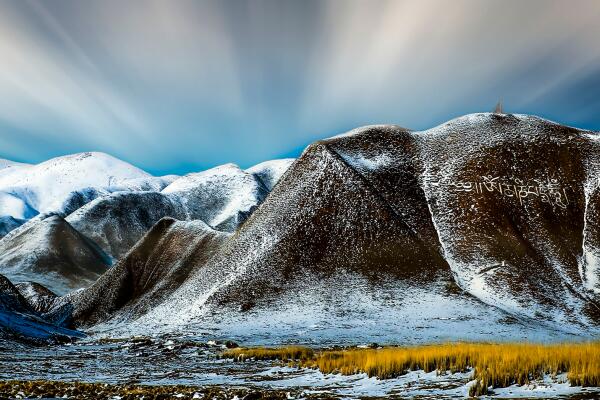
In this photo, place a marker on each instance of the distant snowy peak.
(4, 163)
(269, 172)
(145, 184)
(194, 180)
(45, 186)
(62, 184)
(220, 196)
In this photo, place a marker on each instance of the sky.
(175, 86)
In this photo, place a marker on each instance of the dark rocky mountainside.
(485, 226)
(509, 203)
(51, 252)
(486, 221)
(19, 321)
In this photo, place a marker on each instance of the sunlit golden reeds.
(493, 365)
(289, 353)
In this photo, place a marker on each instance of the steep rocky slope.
(54, 254)
(223, 197)
(18, 320)
(156, 267)
(483, 225)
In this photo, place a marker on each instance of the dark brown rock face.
(20, 321)
(150, 272)
(51, 252)
(507, 195)
(495, 213)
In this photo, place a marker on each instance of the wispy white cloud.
(418, 57)
(42, 89)
(185, 84)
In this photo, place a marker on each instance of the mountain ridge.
(492, 215)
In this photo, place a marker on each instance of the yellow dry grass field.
(493, 364)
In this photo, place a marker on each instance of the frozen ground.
(348, 308)
(195, 361)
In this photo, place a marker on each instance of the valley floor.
(171, 367)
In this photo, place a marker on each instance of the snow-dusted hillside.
(269, 172)
(43, 188)
(485, 215)
(52, 253)
(223, 196)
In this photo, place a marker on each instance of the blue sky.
(179, 86)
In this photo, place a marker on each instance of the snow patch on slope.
(14, 206)
(269, 172)
(4, 163)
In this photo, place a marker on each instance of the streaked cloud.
(180, 85)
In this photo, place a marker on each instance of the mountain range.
(485, 226)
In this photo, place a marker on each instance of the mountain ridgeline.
(483, 227)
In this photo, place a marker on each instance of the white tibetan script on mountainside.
(550, 192)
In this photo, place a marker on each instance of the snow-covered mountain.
(485, 225)
(222, 197)
(52, 253)
(102, 223)
(44, 188)
(269, 172)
